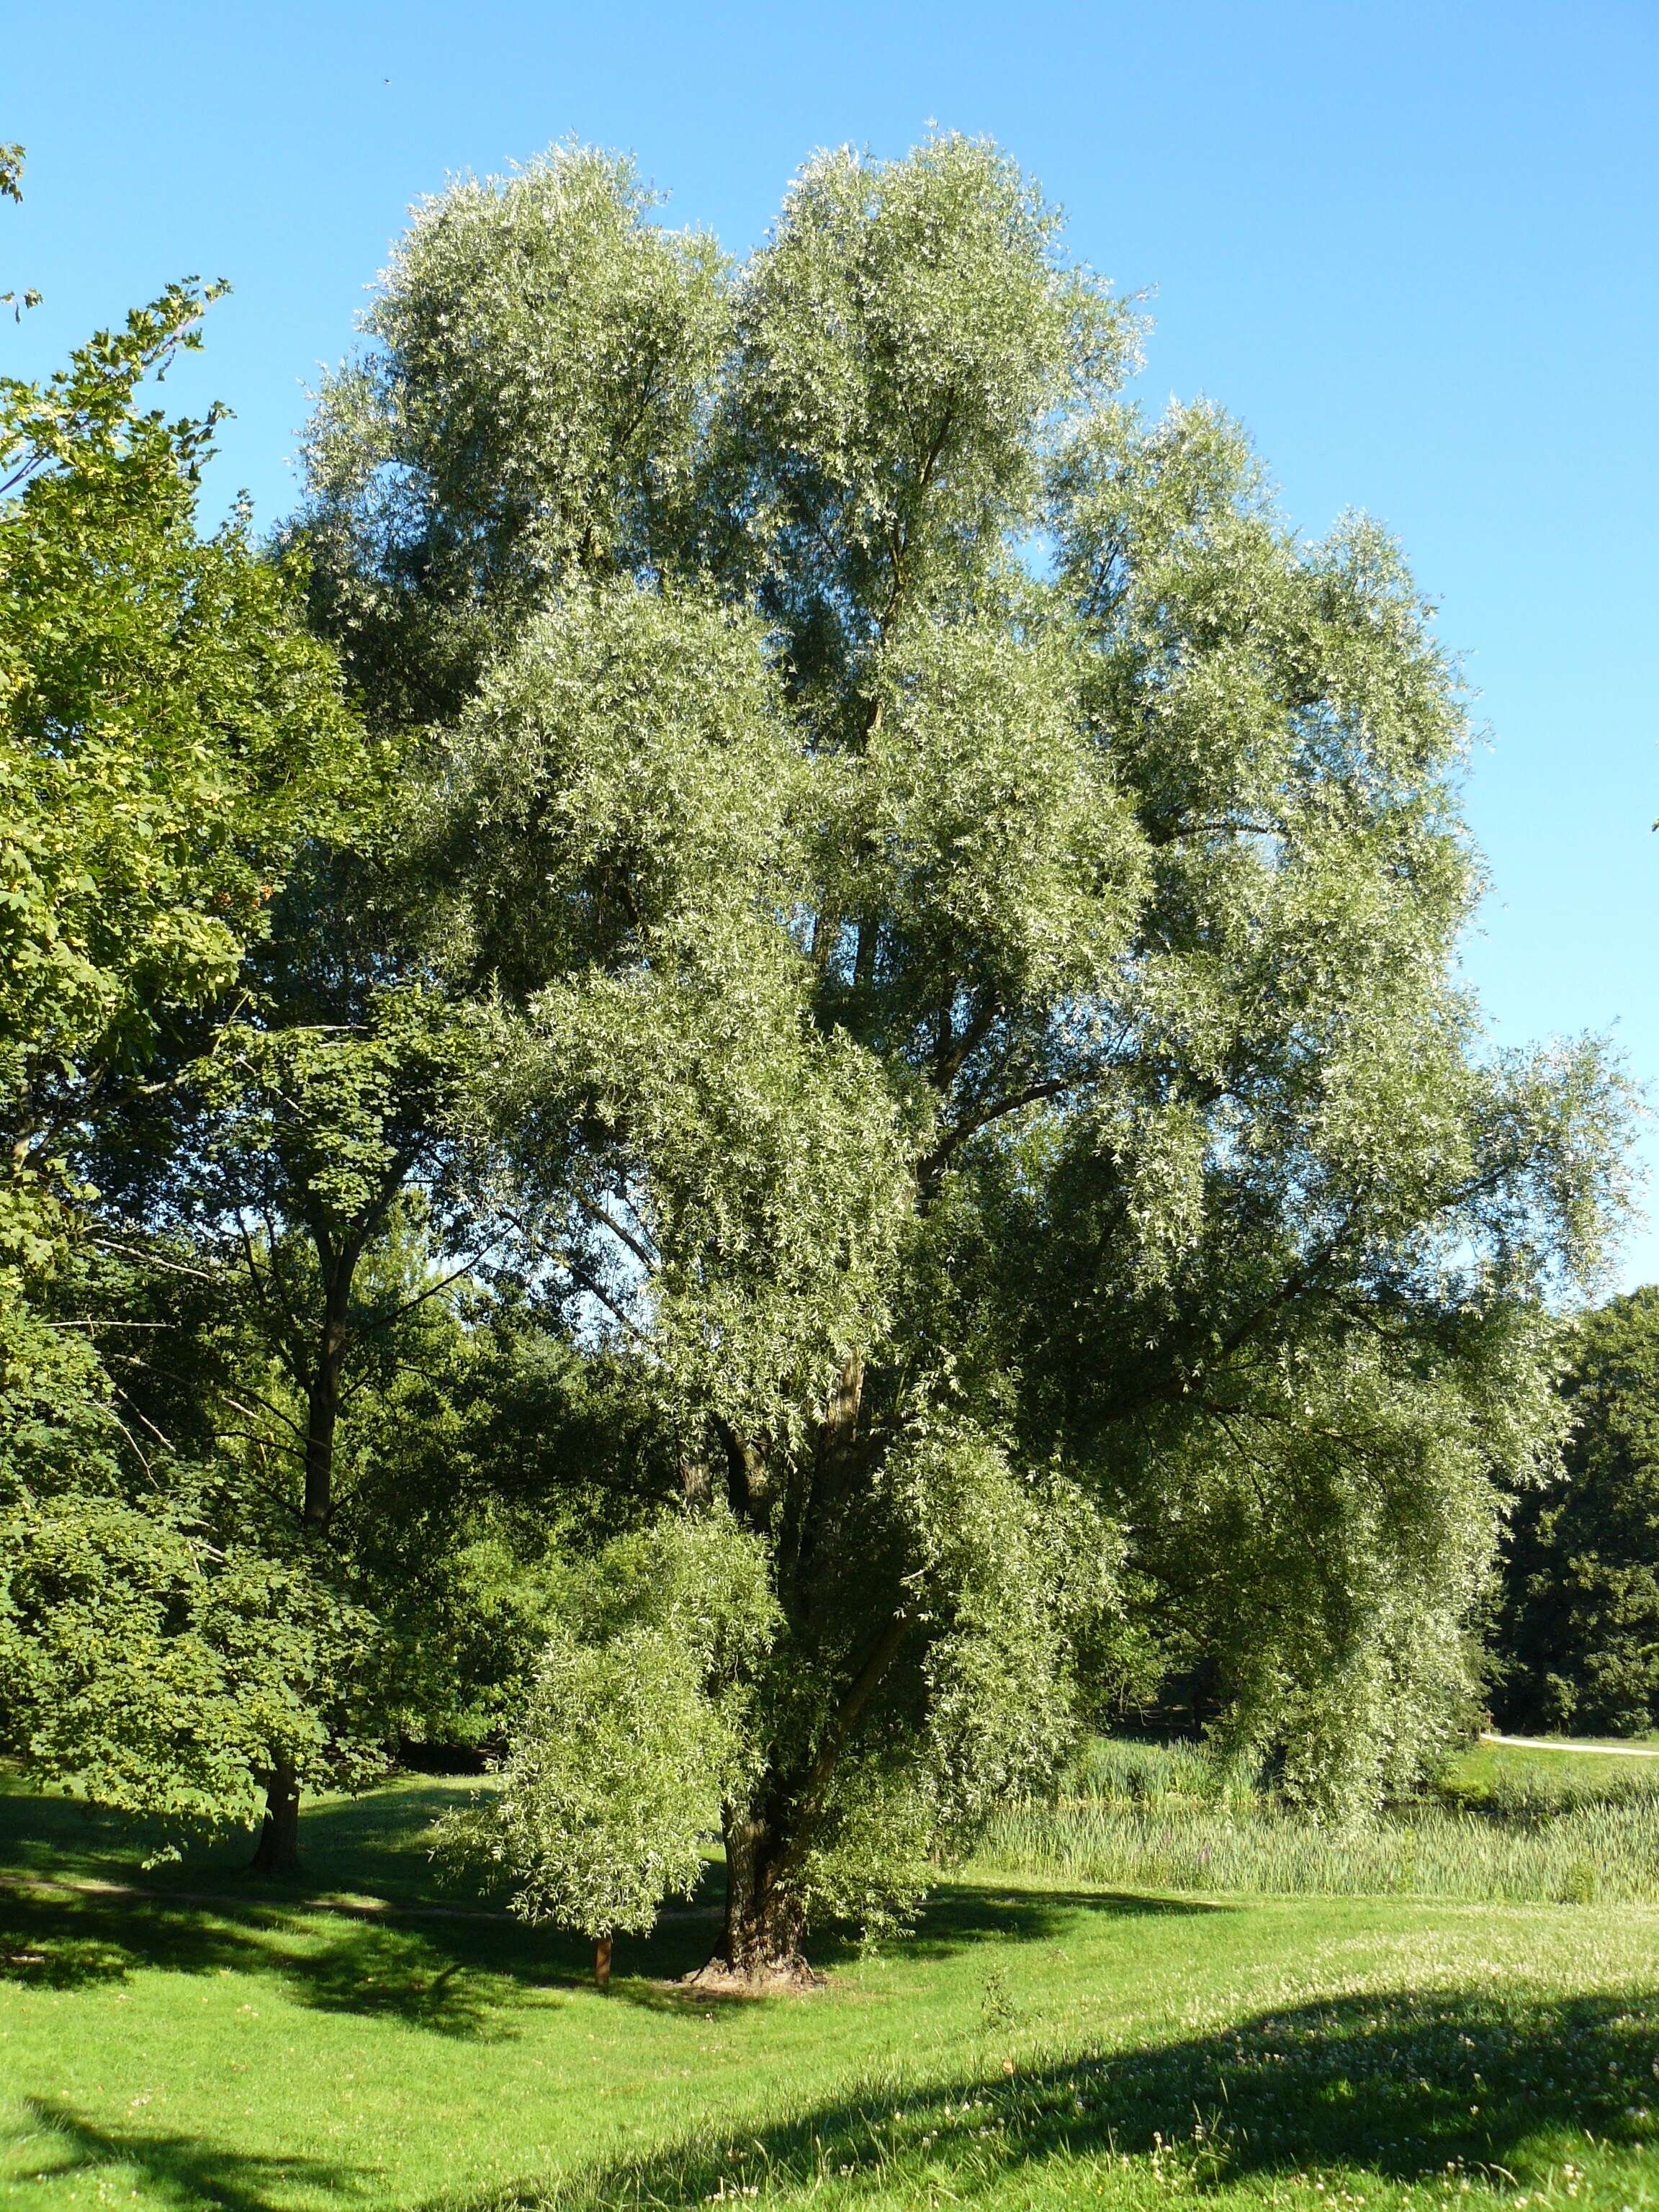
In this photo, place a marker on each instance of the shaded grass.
(378, 1844)
(1405, 2094)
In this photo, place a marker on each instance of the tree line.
(1574, 1635)
(748, 1074)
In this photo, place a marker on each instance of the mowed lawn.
(1560, 1764)
(1030, 2046)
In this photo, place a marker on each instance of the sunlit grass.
(1606, 1853)
(1501, 1826)
(1039, 2042)
(1510, 1773)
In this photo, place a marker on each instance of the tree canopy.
(170, 737)
(834, 1123)
(967, 900)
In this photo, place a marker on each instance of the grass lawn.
(1030, 2046)
(1584, 1765)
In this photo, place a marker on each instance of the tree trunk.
(323, 1396)
(277, 1853)
(767, 1839)
(761, 1937)
(602, 1962)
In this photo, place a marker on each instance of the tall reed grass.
(1144, 1816)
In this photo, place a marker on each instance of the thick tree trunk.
(761, 1937)
(767, 1839)
(277, 1853)
(602, 1962)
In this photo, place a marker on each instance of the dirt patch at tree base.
(791, 1977)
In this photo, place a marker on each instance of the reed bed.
(1165, 1818)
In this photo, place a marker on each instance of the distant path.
(1584, 1750)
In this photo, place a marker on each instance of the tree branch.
(857, 1696)
(954, 1139)
(598, 1213)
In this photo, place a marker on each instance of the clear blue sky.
(1411, 245)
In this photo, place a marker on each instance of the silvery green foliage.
(968, 900)
(1005, 1568)
(624, 760)
(986, 828)
(906, 342)
(608, 1795)
(627, 782)
(531, 402)
(873, 1853)
(634, 1731)
(743, 1179)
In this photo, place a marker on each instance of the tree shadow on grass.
(959, 1914)
(378, 1843)
(462, 1979)
(1405, 2085)
(186, 2172)
(440, 1959)
(458, 1974)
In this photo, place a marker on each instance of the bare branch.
(598, 1214)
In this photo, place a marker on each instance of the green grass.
(1503, 1825)
(377, 1845)
(1036, 2045)
(1509, 1779)
(1603, 1853)
(1507, 1774)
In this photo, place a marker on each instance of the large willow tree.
(968, 900)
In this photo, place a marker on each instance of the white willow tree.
(969, 902)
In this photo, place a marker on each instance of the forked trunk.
(277, 1852)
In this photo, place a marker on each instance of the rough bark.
(761, 1939)
(277, 1852)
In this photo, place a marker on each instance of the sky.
(1412, 247)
